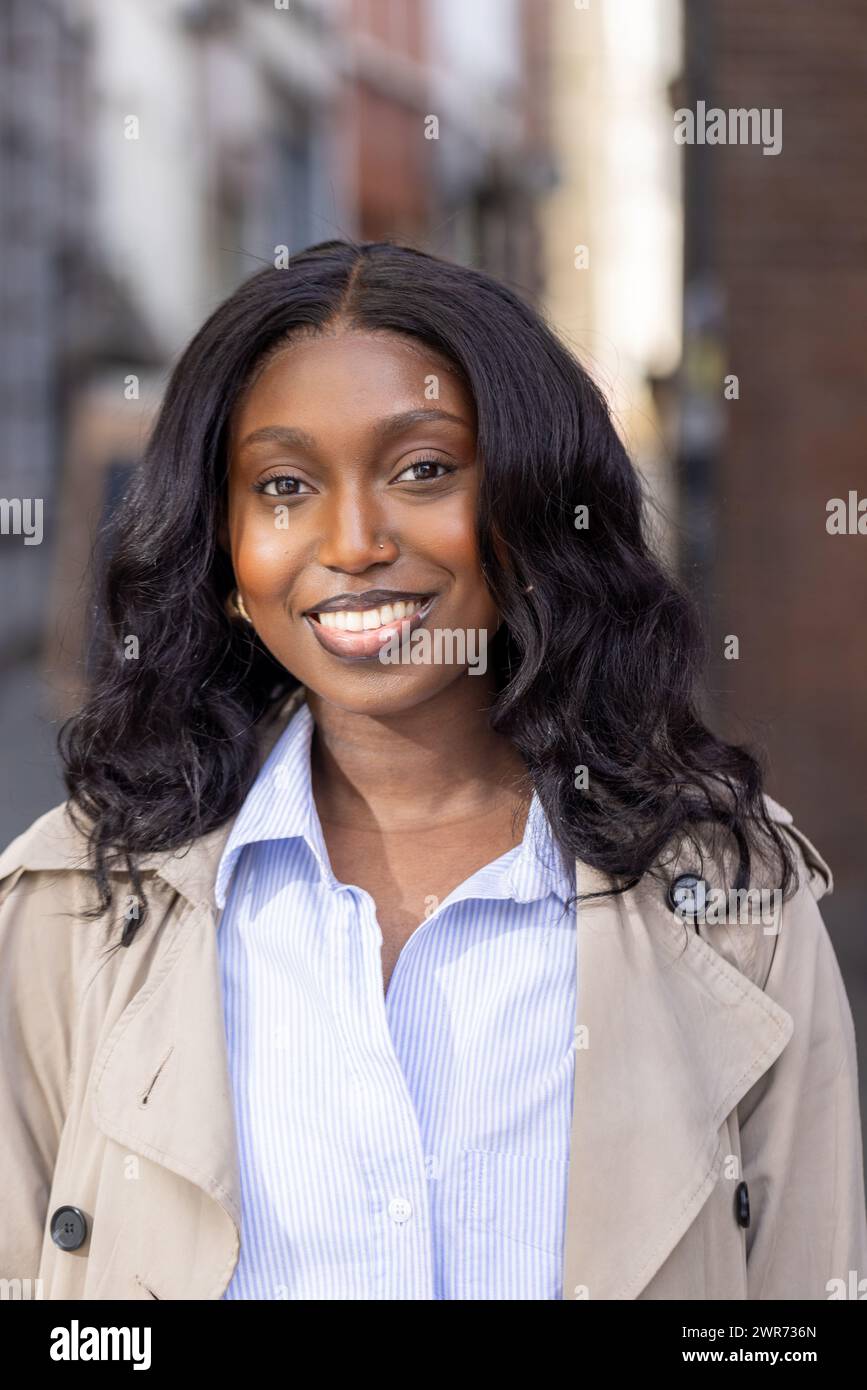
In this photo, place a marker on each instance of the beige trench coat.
(703, 1062)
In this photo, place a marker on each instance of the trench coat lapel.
(162, 1078)
(162, 1086)
(669, 1037)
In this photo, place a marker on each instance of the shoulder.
(751, 926)
(58, 840)
(49, 919)
(799, 963)
(819, 877)
(44, 945)
(54, 841)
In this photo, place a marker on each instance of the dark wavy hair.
(599, 654)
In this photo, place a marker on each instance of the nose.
(355, 534)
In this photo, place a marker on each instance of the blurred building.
(613, 222)
(153, 156)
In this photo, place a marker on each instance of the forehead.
(364, 374)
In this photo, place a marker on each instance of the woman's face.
(352, 491)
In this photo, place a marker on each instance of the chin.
(379, 694)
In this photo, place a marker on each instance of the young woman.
(372, 955)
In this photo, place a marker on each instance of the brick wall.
(783, 238)
(788, 248)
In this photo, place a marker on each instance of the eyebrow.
(384, 431)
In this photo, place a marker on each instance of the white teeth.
(367, 619)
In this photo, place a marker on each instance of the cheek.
(449, 533)
(262, 556)
(451, 537)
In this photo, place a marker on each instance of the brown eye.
(425, 473)
(281, 485)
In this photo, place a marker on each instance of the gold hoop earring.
(235, 607)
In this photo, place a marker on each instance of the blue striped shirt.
(408, 1145)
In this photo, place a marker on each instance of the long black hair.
(599, 654)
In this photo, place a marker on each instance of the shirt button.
(400, 1210)
(69, 1228)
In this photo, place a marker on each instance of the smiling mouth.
(359, 634)
(368, 619)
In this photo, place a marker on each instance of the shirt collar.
(536, 868)
(280, 806)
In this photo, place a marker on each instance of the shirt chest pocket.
(511, 1224)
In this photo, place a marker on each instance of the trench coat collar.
(669, 1037)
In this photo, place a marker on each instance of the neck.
(435, 764)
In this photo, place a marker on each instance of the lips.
(359, 633)
(366, 599)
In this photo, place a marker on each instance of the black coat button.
(742, 1204)
(69, 1228)
(687, 895)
